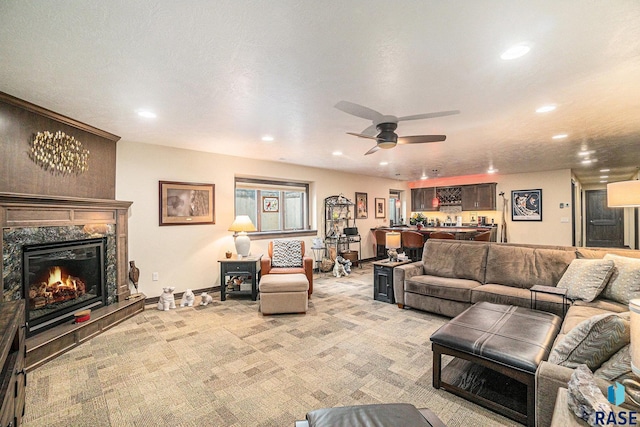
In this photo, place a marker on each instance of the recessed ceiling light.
(605, 170)
(546, 108)
(384, 163)
(585, 152)
(337, 153)
(146, 114)
(560, 136)
(589, 161)
(424, 177)
(267, 138)
(604, 176)
(492, 170)
(515, 51)
(604, 180)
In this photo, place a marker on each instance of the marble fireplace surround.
(29, 219)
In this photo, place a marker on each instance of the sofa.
(455, 274)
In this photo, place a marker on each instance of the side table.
(383, 280)
(318, 253)
(550, 290)
(243, 270)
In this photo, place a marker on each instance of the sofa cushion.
(586, 278)
(618, 367)
(624, 284)
(287, 253)
(595, 253)
(441, 287)
(508, 295)
(593, 341)
(524, 267)
(603, 304)
(449, 258)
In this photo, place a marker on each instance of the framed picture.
(526, 205)
(183, 203)
(270, 204)
(380, 208)
(362, 208)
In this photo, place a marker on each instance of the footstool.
(284, 293)
(509, 340)
(384, 414)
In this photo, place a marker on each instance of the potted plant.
(417, 219)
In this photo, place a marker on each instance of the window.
(273, 206)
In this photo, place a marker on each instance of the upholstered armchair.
(287, 257)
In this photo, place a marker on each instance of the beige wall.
(186, 256)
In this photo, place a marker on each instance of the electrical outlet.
(154, 276)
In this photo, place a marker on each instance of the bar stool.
(380, 237)
(442, 235)
(483, 237)
(413, 244)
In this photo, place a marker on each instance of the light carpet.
(227, 365)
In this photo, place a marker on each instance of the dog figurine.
(167, 300)
(206, 299)
(187, 298)
(338, 270)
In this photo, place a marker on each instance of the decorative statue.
(134, 274)
(188, 298)
(206, 299)
(167, 300)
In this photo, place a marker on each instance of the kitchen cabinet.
(480, 197)
(422, 199)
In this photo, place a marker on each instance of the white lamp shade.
(634, 308)
(623, 194)
(242, 223)
(392, 240)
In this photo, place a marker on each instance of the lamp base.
(243, 244)
(393, 255)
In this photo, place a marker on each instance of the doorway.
(395, 216)
(604, 225)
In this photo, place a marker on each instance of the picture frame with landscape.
(362, 207)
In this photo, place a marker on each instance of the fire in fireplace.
(61, 278)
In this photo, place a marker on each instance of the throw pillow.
(287, 253)
(586, 278)
(624, 284)
(618, 367)
(592, 341)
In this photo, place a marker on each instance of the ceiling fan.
(383, 127)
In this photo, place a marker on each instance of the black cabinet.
(480, 197)
(383, 280)
(239, 276)
(14, 377)
(422, 199)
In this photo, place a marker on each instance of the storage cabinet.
(422, 199)
(14, 349)
(239, 276)
(479, 197)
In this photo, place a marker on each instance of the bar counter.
(464, 232)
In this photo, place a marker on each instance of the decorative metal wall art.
(59, 153)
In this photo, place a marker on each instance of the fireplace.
(61, 278)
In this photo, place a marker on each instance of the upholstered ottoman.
(284, 293)
(382, 414)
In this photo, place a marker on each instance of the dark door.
(605, 227)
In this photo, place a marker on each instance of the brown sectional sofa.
(455, 274)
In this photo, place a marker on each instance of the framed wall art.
(381, 208)
(183, 203)
(362, 208)
(270, 204)
(526, 205)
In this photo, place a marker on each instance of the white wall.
(186, 256)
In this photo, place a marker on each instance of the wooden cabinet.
(480, 197)
(422, 199)
(14, 377)
(244, 270)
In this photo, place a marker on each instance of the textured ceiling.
(220, 75)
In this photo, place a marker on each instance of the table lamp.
(240, 226)
(392, 242)
(623, 194)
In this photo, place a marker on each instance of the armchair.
(306, 266)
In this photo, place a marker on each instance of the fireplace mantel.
(31, 210)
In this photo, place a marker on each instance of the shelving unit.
(338, 222)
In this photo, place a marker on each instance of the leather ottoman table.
(509, 340)
(377, 415)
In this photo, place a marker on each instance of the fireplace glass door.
(61, 278)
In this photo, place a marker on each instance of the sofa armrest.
(265, 265)
(400, 274)
(307, 263)
(549, 378)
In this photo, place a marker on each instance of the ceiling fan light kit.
(386, 125)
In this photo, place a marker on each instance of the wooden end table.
(383, 280)
(550, 290)
(246, 269)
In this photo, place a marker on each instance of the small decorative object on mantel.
(134, 274)
(59, 153)
(585, 398)
(228, 254)
(82, 316)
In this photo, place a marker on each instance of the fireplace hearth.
(60, 278)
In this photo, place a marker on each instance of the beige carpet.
(227, 365)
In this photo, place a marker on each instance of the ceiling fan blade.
(419, 139)
(359, 135)
(359, 111)
(373, 150)
(371, 130)
(430, 115)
